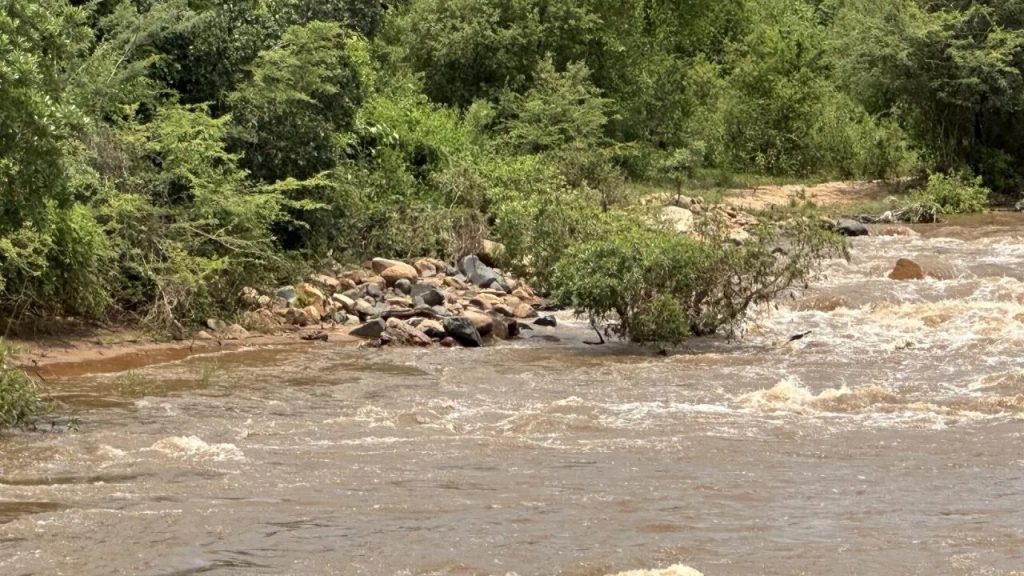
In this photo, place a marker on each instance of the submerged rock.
(549, 321)
(851, 228)
(907, 269)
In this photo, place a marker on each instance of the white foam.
(193, 447)
(677, 570)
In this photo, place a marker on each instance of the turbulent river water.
(889, 441)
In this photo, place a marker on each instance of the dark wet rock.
(370, 330)
(317, 336)
(403, 286)
(851, 228)
(921, 268)
(427, 295)
(463, 331)
(549, 321)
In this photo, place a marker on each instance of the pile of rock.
(417, 303)
(681, 213)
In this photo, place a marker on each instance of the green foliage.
(302, 93)
(661, 287)
(20, 403)
(952, 71)
(945, 194)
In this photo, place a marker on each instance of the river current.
(889, 441)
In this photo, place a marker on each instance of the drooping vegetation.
(158, 155)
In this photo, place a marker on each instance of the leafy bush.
(20, 403)
(950, 194)
(655, 286)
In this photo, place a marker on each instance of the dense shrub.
(20, 403)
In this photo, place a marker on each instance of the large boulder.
(678, 219)
(482, 321)
(490, 252)
(425, 267)
(406, 334)
(851, 228)
(481, 274)
(392, 271)
(364, 309)
(345, 302)
(505, 328)
(371, 330)
(463, 331)
(921, 268)
(288, 294)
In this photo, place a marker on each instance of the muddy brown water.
(890, 441)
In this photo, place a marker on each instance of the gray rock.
(463, 331)
(549, 321)
(851, 228)
(427, 295)
(403, 286)
(371, 330)
(288, 294)
(372, 291)
(364, 309)
(349, 304)
(481, 274)
(216, 325)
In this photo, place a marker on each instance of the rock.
(249, 296)
(235, 332)
(364, 309)
(313, 313)
(406, 334)
(480, 274)
(204, 335)
(524, 310)
(311, 295)
(372, 291)
(317, 336)
(392, 270)
(907, 269)
(485, 301)
(851, 228)
(549, 321)
(481, 321)
(261, 320)
(1019, 206)
(455, 282)
(505, 328)
(288, 294)
(432, 282)
(739, 236)
(463, 331)
(425, 267)
(298, 317)
(403, 286)
(431, 328)
(428, 295)
(449, 342)
(264, 301)
(678, 219)
(216, 325)
(345, 302)
(503, 310)
(371, 330)
(339, 318)
(490, 252)
(399, 302)
(329, 282)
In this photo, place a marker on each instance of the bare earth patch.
(827, 194)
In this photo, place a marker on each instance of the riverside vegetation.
(158, 156)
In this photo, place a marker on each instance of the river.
(889, 441)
